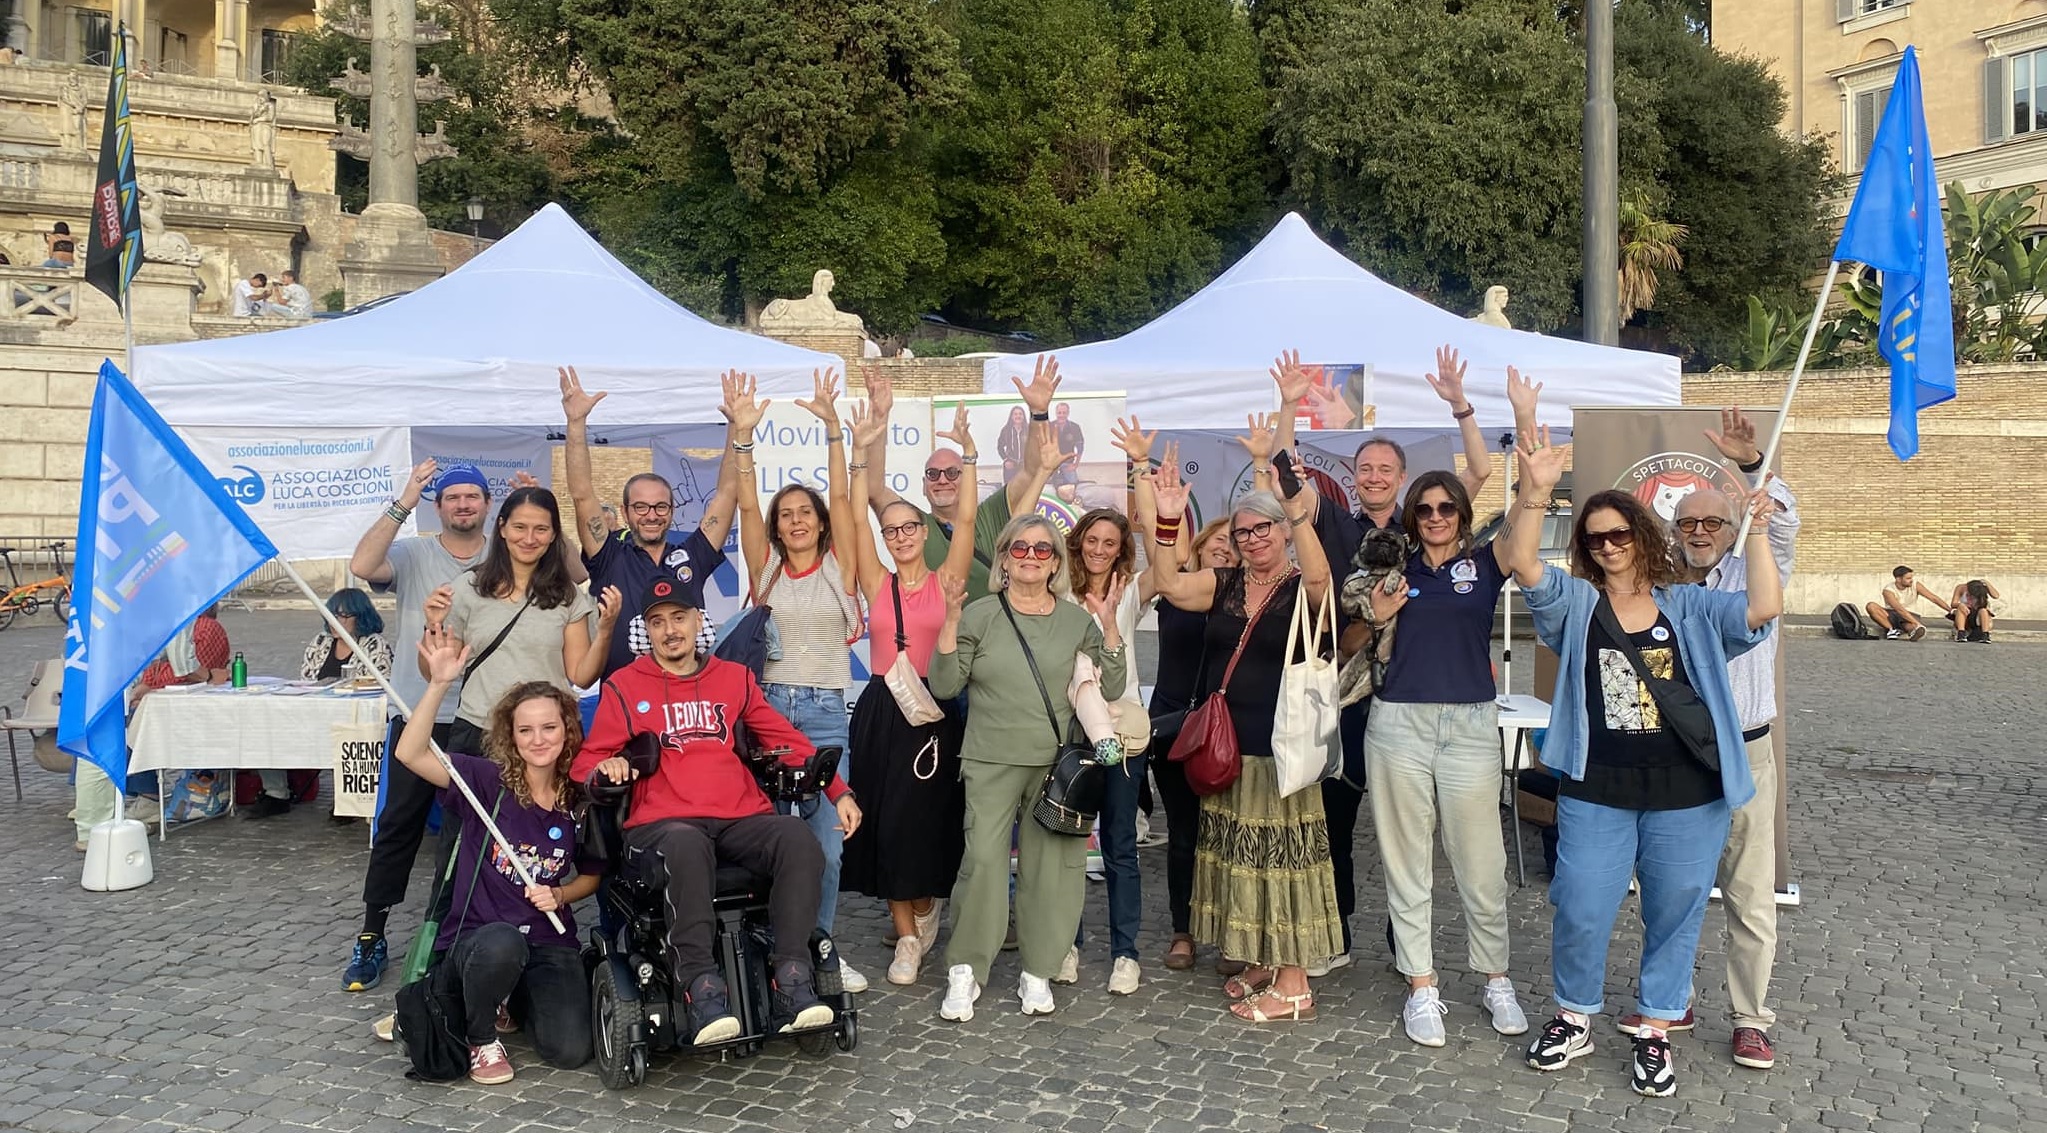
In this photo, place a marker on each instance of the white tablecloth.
(242, 728)
(1520, 714)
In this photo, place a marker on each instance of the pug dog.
(1377, 565)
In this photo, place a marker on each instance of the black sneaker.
(267, 806)
(1560, 1041)
(1652, 1076)
(710, 1012)
(795, 1000)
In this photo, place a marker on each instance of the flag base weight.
(117, 857)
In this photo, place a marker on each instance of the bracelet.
(1041, 416)
(1469, 411)
(970, 458)
(1296, 520)
(1535, 505)
(1754, 466)
(742, 448)
(398, 514)
(834, 438)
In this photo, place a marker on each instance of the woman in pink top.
(907, 776)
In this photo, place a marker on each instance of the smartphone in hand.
(1289, 479)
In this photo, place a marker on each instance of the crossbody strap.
(1030, 659)
(475, 874)
(477, 661)
(1611, 622)
(895, 590)
(1249, 624)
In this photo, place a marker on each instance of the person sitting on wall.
(1969, 609)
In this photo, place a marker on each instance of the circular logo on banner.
(1663, 481)
(1660, 634)
(1464, 587)
(642, 706)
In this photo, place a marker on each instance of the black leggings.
(543, 984)
(400, 825)
(1183, 822)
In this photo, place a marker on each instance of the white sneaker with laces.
(1505, 1005)
(908, 962)
(926, 924)
(1423, 1016)
(1124, 976)
(1069, 968)
(1321, 968)
(1035, 993)
(960, 993)
(849, 977)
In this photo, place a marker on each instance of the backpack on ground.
(1847, 623)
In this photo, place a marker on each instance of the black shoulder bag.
(1683, 712)
(478, 660)
(431, 1024)
(1071, 794)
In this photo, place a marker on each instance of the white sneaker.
(1423, 1016)
(1322, 968)
(849, 977)
(1146, 837)
(908, 962)
(960, 994)
(1069, 968)
(1035, 994)
(927, 925)
(386, 1029)
(1123, 976)
(149, 812)
(1505, 1006)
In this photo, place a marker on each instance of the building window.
(172, 56)
(2028, 94)
(276, 54)
(1845, 10)
(1865, 109)
(92, 37)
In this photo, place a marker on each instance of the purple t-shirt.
(546, 841)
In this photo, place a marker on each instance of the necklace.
(1254, 580)
(1048, 603)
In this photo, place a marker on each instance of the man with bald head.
(1707, 523)
(948, 473)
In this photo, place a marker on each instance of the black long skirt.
(913, 808)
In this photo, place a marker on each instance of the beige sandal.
(1299, 1008)
(1249, 982)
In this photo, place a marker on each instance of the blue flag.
(1895, 227)
(159, 541)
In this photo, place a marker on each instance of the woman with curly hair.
(496, 942)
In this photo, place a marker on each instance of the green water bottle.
(238, 672)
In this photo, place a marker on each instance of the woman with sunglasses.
(1646, 741)
(1264, 887)
(1001, 651)
(907, 850)
(797, 576)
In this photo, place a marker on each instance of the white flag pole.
(1784, 411)
(404, 709)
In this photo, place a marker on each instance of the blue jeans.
(1119, 855)
(820, 714)
(1675, 854)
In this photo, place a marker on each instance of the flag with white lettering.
(113, 252)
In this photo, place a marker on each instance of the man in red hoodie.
(703, 806)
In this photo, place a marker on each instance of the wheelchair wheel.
(816, 1044)
(849, 1032)
(614, 1016)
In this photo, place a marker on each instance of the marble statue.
(263, 133)
(71, 105)
(1495, 313)
(815, 311)
(159, 244)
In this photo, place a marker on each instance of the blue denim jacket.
(1711, 626)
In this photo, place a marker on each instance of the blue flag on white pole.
(159, 541)
(1895, 227)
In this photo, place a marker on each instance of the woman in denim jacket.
(1636, 800)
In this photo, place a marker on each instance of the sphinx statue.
(815, 311)
(1495, 312)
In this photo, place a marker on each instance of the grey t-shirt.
(531, 652)
(419, 566)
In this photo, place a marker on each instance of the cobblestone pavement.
(1910, 982)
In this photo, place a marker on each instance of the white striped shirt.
(1754, 673)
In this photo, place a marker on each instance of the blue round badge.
(1660, 634)
(642, 706)
(554, 833)
(1414, 592)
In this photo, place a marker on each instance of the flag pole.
(1790, 389)
(384, 682)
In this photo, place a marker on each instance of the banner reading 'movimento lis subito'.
(329, 483)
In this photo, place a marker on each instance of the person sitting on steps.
(1893, 612)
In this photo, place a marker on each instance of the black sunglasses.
(1618, 537)
(1444, 510)
(937, 474)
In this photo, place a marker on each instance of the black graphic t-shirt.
(1633, 762)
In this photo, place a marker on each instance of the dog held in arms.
(1378, 563)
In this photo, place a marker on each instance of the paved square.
(1910, 983)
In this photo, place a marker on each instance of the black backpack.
(1847, 623)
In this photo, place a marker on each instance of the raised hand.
(1448, 380)
(959, 434)
(740, 405)
(868, 426)
(1760, 504)
(881, 391)
(1293, 381)
(576, 405)
(415, 484)
(1736, 438)
(824, 396)
(1133, 440)
(1329, 408)
(1049, 455)
(609, 603)
(955, 590)
(1522, 395)
(444, 654)
(524, 479)
(1542, 464)
(1258, 442)
(1103, 606)
(1170, 492)
(1044, 384)
(438, 604)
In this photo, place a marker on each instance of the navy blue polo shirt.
(1443, 642)
(620, 562)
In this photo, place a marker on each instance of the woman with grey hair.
(1264, 888)
(1011, 653)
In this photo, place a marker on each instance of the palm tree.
(1648, 245)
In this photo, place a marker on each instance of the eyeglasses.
(936, 474)
(1255, 531)
(901, 530)
(1618, 537)
(1038, 551)
(1444, 510)
(1707, 523)
(650, 509)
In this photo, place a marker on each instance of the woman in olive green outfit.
(1009, 746)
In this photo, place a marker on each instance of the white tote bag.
(1307, 746)
(358, 759)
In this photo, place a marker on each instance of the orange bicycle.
(26, 598)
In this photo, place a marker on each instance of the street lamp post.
(476, 218)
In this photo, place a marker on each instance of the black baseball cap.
(669, 591)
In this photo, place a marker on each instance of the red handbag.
(1207, 743)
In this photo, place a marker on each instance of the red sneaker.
(489, 1065)
(1631, 1023)
(1752, 1048)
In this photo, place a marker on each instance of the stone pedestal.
(393, 251)
(162, 299)
(850, 345)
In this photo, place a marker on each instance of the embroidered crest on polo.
(1660, 633)
(1464, 587)
(679, 557)
(1464, 570)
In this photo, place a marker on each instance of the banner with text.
(1090, 473)
(499, 454)
(313, 491)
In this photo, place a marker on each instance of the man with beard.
(1706, 525)
(411, 569)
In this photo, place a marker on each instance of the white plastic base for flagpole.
(117, 857)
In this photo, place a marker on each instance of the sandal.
(1249, 982)
(1293, 1008)
(1180, 953)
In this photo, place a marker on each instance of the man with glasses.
(1706, 526)
(643, 551)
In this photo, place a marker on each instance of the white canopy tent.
(1203, 364)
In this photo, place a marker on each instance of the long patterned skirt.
(1264, 890)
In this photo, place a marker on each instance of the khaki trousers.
(1051, 877)
(1748, 892)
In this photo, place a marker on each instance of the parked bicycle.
(27, 598)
